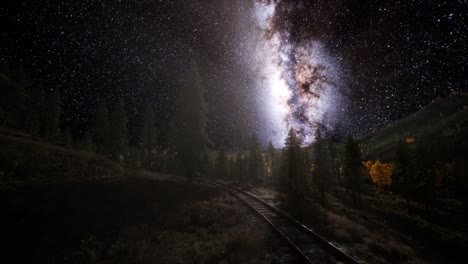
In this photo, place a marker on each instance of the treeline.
(417, 172)
(29, 108)
(420, 172)
(327, 166)
(38, 111)
(297, 172)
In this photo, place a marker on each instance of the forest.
(415, 182)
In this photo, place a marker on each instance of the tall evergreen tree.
(19, 113)
(334, 167)
(238, 137)
(35, 110)
(52, 116)
(271, 158)
(13, 96)
(294, 168)
(149, 134)
(352, 167)
(118, 130)
(321, 173)
(255, 159)
(188, 135)
(240, 168)
(101, 130)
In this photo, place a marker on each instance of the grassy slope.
(31, 161)
(63, 206)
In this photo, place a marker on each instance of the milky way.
(267, 65)
(299, 80)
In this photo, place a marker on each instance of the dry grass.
(196, 232)
(383, 232)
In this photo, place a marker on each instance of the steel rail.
(273, 216)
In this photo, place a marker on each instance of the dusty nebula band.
(300, 79)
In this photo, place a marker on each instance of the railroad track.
(310, 246)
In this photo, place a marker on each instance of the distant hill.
(442, 125)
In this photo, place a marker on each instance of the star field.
(393, 57)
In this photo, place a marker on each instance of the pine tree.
(352, 167)
(294, 168)
(118, 131)
(149, 134)
(271, 159)
(188, 134)
(240, 168)
(239, 137)
(271, 151)
(321, 173)
(52, 117)
(19, 114)
(35, 110)
(101, 130)
(255, 159)
(12, 101)
(335, 180)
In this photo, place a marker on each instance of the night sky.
(268, 65)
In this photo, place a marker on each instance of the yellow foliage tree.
(381, 173)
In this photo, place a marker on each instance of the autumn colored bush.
(381, 173)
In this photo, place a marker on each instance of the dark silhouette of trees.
(52, 118)
(334, 167)
(255, 159)
(240, 168)
(272, 162)
(188, 133)
(101, 130)
(118, 131)
(352, 167)
(35, 112)
(13, 91)
(321, 173)
(293, 168)
(148, 135)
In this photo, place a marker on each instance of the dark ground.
(133, 221)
